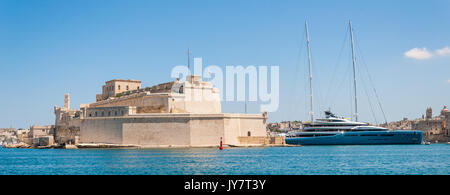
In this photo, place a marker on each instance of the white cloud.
(444, 51)
(418, 54)
(448, 81)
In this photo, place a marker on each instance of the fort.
(174, 114)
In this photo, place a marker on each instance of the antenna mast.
(354, 70)
(189, 59)
(310, 73)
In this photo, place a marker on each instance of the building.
(285, 126)
(174, 114)
(40, 135)
(434, 128)
(37, 131)
(22, 134)
(8, 136)
(404, 124)
(114, 87)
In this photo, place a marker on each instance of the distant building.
(8, 136)
(404, 124)
(22, 134)
(434, 128)
(285, 126)
(37, 131)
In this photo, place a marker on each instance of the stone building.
(8, 136)
(114, 87)
(404, 124)
(285, 126)
(174, 114)
(22, 134)
(37, 131)
(434, 128)
(40, 135)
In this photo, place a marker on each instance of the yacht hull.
(360, 138)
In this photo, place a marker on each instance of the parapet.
(115, 111)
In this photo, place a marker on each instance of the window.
(118, 87)
(249, 133)
(127, 87)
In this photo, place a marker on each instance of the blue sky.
(51, 47)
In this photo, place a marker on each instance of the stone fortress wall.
(175, 114)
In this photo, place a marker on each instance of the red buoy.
(221, 147)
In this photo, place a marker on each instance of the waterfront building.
(434, 128)
(174, 114)
(8, 136)
(37, 131)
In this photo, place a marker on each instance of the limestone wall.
(232, 130)
(156, 132)
(206, 131)
(261, 140)
(163, 130)
(101, 130)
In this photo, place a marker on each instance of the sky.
(52, 47)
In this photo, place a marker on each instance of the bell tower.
(429, 113)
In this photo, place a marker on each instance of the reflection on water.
(384, 159)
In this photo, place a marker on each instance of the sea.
(431, 159)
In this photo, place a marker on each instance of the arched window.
(249, 133)
(118, 87)
(127, 87)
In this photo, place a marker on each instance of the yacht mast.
(310, 72)
(354, 71)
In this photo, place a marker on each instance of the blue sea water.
(431, 159)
